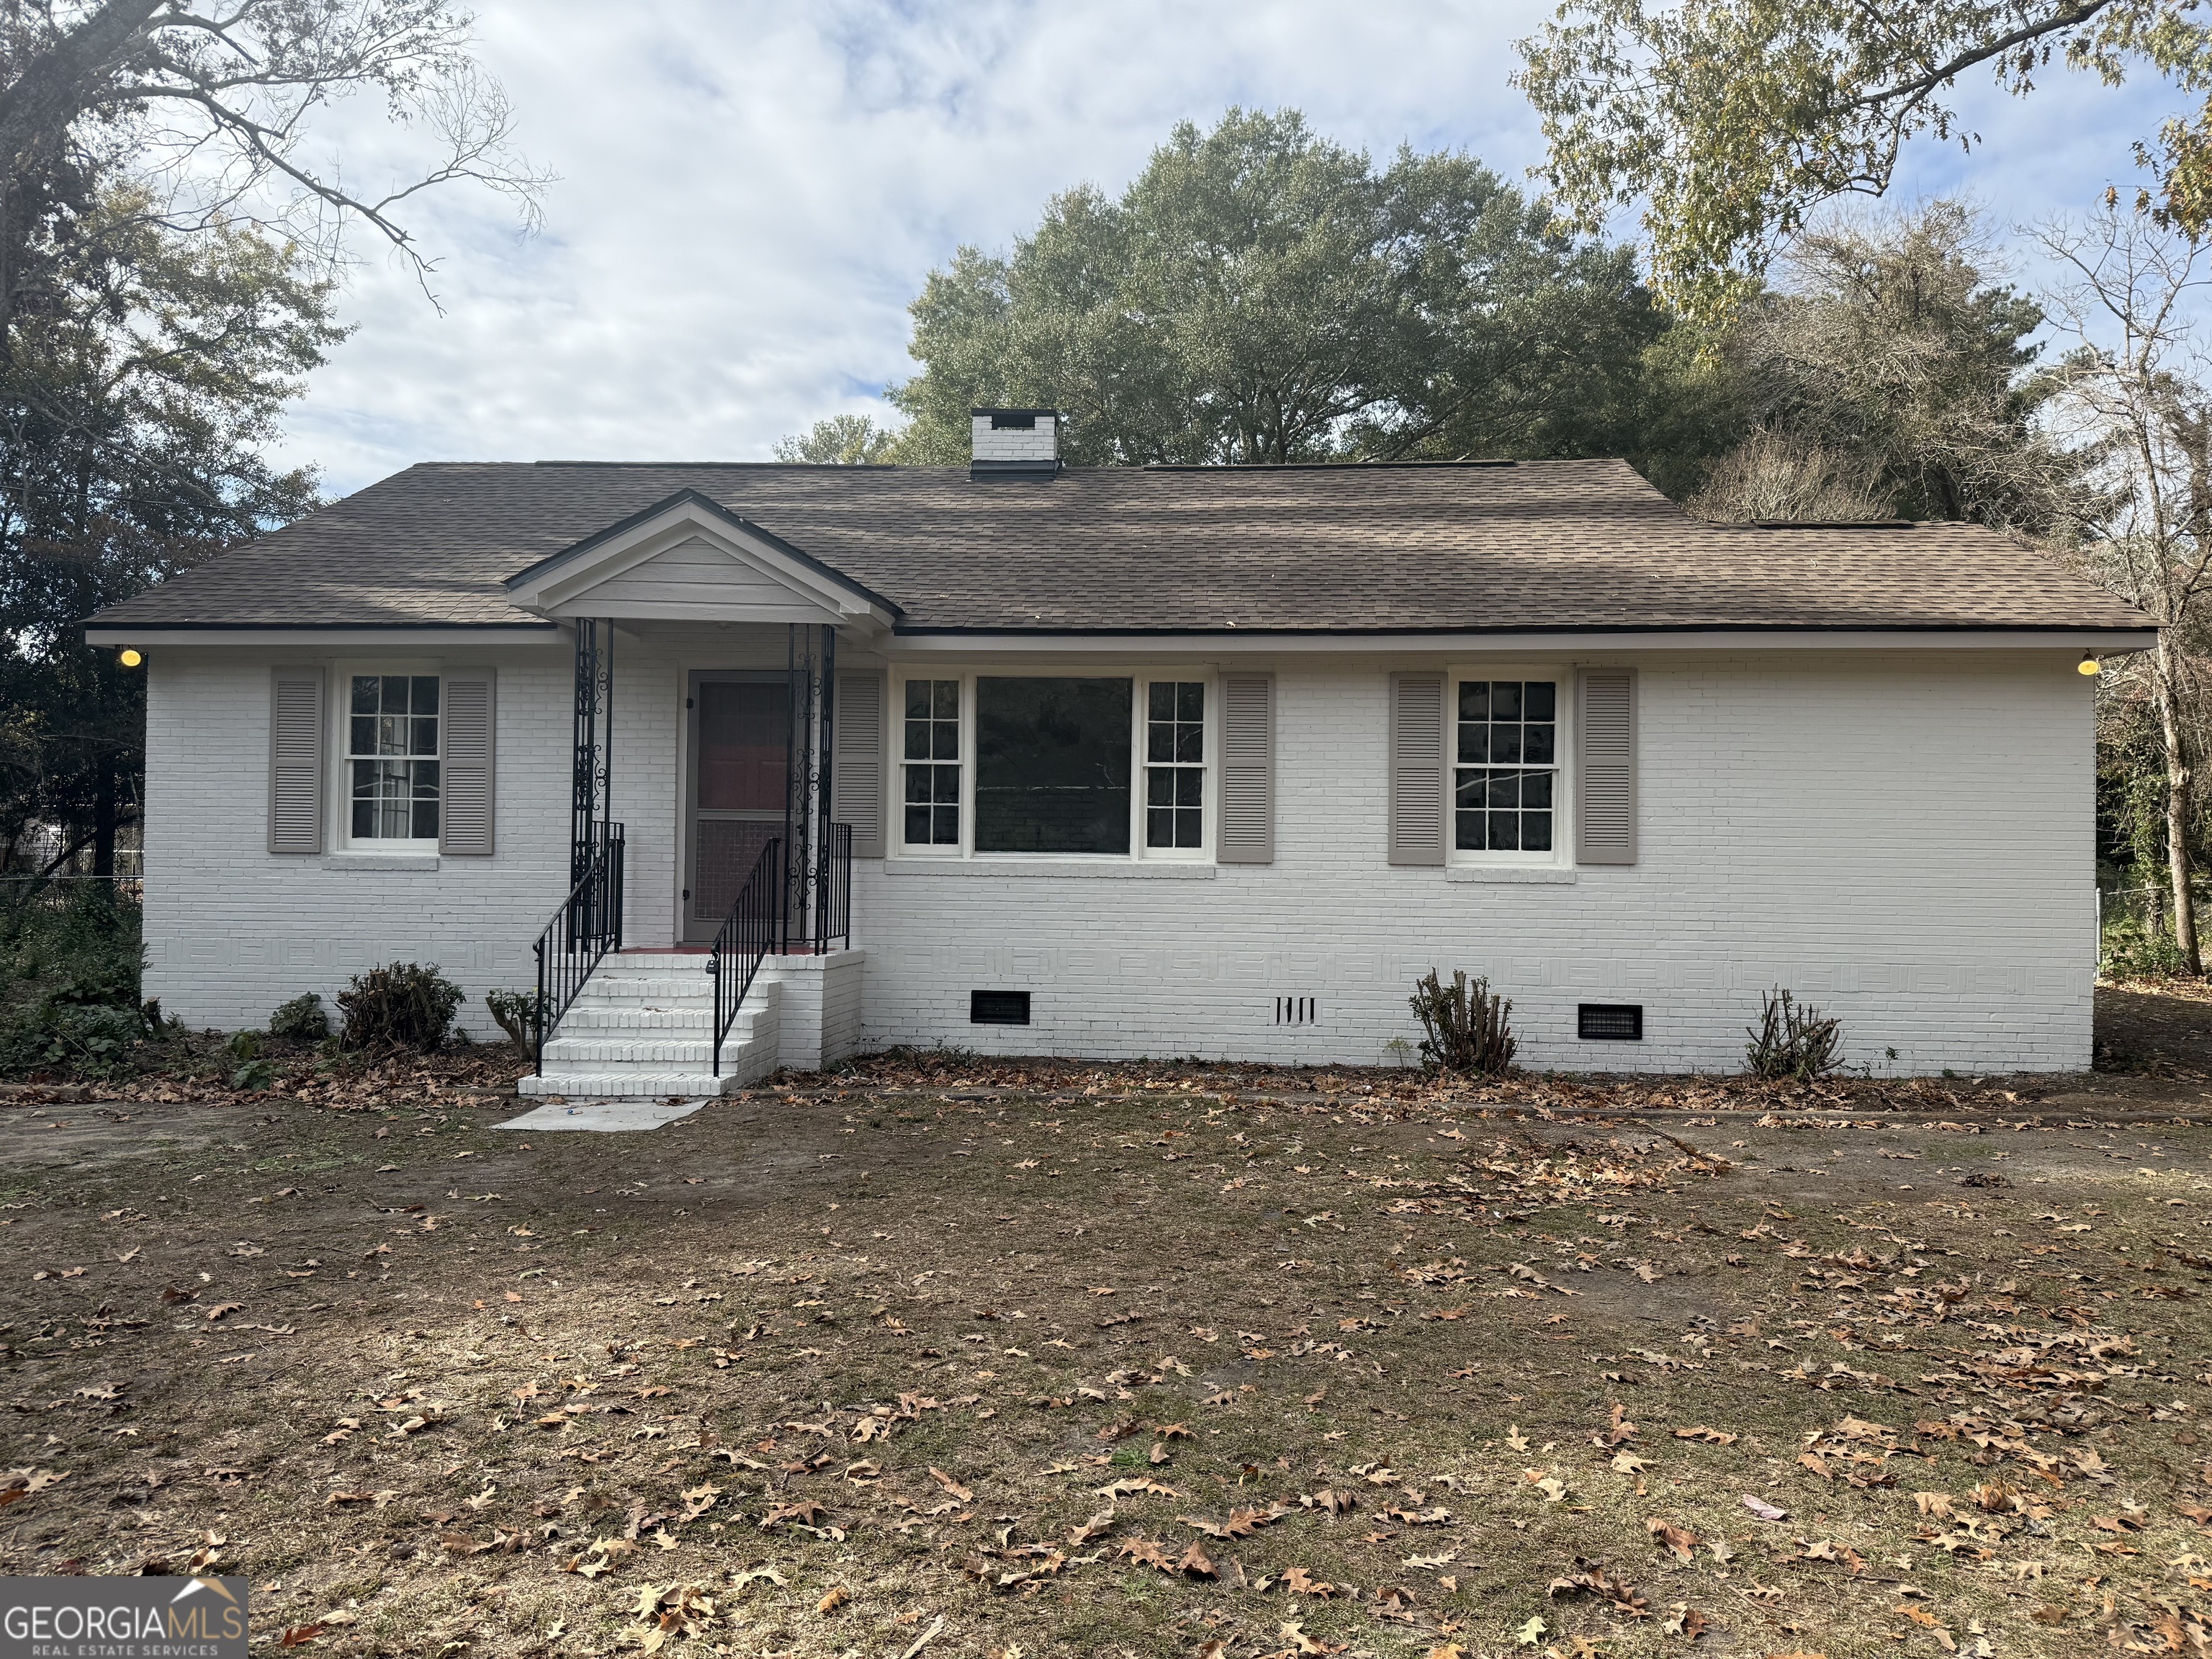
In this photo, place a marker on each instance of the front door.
(736, 795)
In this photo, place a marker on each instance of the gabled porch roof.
(688, 558)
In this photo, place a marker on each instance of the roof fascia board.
(607, 553)
(1253, 642)
(524, 633)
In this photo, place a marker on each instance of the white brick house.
(1141, 762)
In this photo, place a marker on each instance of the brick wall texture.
(1903, 838)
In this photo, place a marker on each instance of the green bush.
(301, 1020)
(94, 1040)
(68, 980)
(403, 1004)
(516, 1014)
(2131, 954)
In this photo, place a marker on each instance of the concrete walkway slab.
(609, 1116)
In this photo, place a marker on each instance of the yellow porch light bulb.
(130, 659)
(2089, 666)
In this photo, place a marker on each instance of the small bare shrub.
(403, 1006)
(1466, 1025)
(1792, 1040)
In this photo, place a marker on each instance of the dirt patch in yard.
(956, 1357)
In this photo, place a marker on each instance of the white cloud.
(750, 193)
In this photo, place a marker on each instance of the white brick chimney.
(1014, 443)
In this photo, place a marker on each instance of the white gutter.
(311, 637)
(1238, 642)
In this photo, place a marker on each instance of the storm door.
(736, 797)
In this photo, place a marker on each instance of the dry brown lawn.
(949, 1358)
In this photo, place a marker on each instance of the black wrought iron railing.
(588, 925)
(753, 930)
(832, 917)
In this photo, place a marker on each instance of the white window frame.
(341, 751)
(1207, 766)
(964, 760)
(1563, 748)
(1142, 676)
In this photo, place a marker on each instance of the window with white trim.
(393, 728)
(931, 761)
(1505, 792)
(1103, 765)
(1175, 764)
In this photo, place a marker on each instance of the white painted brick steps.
(643, 1026)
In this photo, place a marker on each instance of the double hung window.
(393, 729)
(933, 764)
(1175, 764)
(1505, 781)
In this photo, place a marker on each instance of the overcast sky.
(749, 194)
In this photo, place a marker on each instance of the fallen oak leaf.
(806, 1514)
(1682, 1543)
(1685, 1620)
(1096, 1527)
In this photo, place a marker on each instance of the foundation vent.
(997, 1007)
(1609, 1021)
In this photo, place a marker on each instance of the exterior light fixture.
(2089, 666)
(130, 659)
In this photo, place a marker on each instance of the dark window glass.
(933, 805)
(391, 716)
(1175, 800)
(745, 745)
(1505, 726)
(1052, 765)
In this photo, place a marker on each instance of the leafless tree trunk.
(2178, 781)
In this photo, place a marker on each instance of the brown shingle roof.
(1539, 545)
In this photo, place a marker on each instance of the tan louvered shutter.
(856, 788)
(295, 760)
(1417, 768)
(469, 773)
(1604, 770)
(1248, 770)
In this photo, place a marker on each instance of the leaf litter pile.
(1092, 1360)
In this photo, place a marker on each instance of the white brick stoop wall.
(643, 1025)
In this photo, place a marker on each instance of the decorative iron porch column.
(591, 808)
(810, 658)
